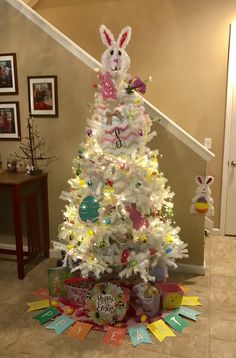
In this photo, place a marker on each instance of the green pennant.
(47, 315)
(188, 312)
(176, 322)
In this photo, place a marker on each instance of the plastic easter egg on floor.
(88, 210)
(54, 303)
(69, 310)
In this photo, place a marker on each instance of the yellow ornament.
(142, 238)
(90, 232)
(82, 182)
(169, 238)
(91, 258)
(143, 318)
(69, 247)
(137, 101)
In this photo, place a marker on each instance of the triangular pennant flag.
(37, 305)
(190, 301)
(139, 334)
(114, 335)
(41, 293)
(188, 312)
(47, 315)
(80, 330)
(176, 322)
(160, 330)
(60, 324)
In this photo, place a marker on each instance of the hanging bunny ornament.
(115, 62)
(115, 59)
(202, 203)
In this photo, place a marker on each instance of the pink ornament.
(136, 217)
(108, 89)
(125, 255)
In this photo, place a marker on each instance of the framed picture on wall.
(8, 74)
(9, 121)
(42, 92)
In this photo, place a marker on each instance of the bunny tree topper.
(202, 203)
(115, 59)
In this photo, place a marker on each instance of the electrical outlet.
(208, 143)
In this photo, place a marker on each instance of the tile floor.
(213, 336)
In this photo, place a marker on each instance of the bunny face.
(115, 59)
(204, 184)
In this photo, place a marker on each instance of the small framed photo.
(43, 96)
(8, 74)
(9, 121)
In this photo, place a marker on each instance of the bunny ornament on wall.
(202, 203)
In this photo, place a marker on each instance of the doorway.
(228, 193)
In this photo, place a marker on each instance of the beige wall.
(183, 44)
(38, 54)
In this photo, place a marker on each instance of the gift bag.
(146, 298)
(77, 289)
(56, 279)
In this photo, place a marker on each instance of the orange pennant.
(80, 330)
(114, 335)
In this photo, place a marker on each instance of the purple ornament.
(89, 132)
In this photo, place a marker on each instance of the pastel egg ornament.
(89, 209)
(201, 205)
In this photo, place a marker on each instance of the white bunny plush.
(202, 203)
(115, 58)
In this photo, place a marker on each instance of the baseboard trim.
(215, 232)
(11, 246)
(190, 269)
(55, 253)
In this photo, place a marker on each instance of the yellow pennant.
(190, 301)
(37, 305)
(160, 330)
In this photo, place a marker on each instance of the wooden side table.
(29, 195)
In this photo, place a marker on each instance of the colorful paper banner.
(114, 335)
(37, 305)
(160, 330)
(80, 330)
(176, 322)
(41, 293)
(190, 301)
(47, 315)
(60, 324)
(139, 335)
(188, 312)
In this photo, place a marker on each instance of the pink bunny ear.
(209, 180)
(106, 36)
(124, 37)
(199, 180)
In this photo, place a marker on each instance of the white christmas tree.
(118, 219)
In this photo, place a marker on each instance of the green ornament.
(88, 210)
(133, 263)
